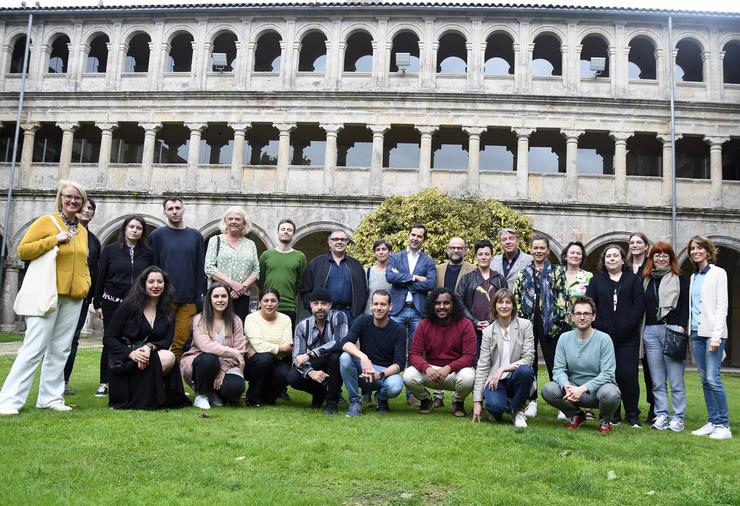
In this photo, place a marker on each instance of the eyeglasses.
(75, 198)
(455, 247)
(338, 239)
(582, 315)
(661, 255)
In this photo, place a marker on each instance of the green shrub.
(471, 218)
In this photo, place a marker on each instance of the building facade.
(319, 112)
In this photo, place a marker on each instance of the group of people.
(174, 309)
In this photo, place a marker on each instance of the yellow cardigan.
(73, 274)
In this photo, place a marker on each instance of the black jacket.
(623, 324)
(678, 316)
(116, 271)
(93, 258)
(467, 285)
(317, 272)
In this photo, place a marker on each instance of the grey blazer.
(522, 351)
(522, 261)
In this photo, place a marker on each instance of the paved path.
(85, 343)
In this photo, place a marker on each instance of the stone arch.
(695, 36)
(176, 30)
(211, 229)
(55, 32)
(594, 246)
(730, 37)
(453, 28)
(653, 37)
(548, 30)
(721, 241)
(14, 35)
(311, 238)
(597, 31)
(220, 29)
(405, 27)
(133, 31)
(109, 231)
(15, 240)
(263, 29)
(496, 29)
(312, 27)
(358, 27)
(92, 32)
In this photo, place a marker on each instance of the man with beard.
(450, 273)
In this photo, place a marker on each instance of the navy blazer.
(401, 282)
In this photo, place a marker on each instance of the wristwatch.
(382, 374)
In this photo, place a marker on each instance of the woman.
(620, 304)
(577, 278)
(143, 373)
(232, 258)
(214, 365)
(269, 333)
(666, 306)
(539, 293)
(708, 301)
(120, 264)
(376, 272)
(504, 375)
(49, 337)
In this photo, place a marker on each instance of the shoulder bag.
(675, 345)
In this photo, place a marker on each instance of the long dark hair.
(122, 231)
(206, 316)
(137, 296)
(457, 307)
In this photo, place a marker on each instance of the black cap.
(320, 294)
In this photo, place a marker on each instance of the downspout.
(672, 81)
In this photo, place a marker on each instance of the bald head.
(456, 249)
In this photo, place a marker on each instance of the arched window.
(180, 58)
(594, 46)
(137, 56)
(16, 59)
(641, 59)
(405, 42)
(452, 54)
(358, 55)
(547, 59)
(97, 57)
(267, 54)
(59, 57)
(499, 57)
(689, 65)
(313, 53)
(731, 62)
(225, 44)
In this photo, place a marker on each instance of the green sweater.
(282, 271)
(587, 362)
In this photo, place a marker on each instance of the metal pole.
(673, 131)
(11, 180)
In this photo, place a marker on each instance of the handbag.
(675, 344)
(38, 294)
(122, 364)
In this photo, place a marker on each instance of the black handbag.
(121, 363)
(675, 345)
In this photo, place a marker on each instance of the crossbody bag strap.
(56, 223)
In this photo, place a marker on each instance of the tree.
(445, 217)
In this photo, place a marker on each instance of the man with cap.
(316, 352)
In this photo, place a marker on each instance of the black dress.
(145, 388)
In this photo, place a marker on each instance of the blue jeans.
(409, 317)
(708, 364)
(350, 368)
(511, 393)
(664, 369)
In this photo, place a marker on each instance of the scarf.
(668, 291)
(552, 295)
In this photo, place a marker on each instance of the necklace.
(71, 224)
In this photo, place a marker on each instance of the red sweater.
(454, 345)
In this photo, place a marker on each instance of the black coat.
(116, 272)
(317, 272)
(623, 324)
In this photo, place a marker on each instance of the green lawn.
(289, 454)
(10, 337)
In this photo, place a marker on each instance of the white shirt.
(505, 355)
(412, 259)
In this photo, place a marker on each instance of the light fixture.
(219, 61)
(403, 61)
(597, 65)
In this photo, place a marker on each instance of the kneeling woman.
(214, 365)
(504, 375)
(143, 371)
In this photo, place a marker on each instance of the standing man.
(180, 252)
(383, 356)
(513, 259)
(450, 273)
(93, 257)
(316, 352)
(583, 375)
(341, 274)
(442, 353)
(282, 267)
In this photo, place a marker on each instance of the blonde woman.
(232, 259)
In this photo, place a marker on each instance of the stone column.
(191, 173)
(29, 135)
(564, 67)
(612, 70)
(474, 133)
(720, 75)
(376, 163)
(620, 165)
(9, 291)
(281, 184)
(571, 162)
(522, 161)
(471, 66)
(330, 154)
(715, 168)
(667, 168)
(661, 72)
(237, 154)
(106, 143)
(425, 155)
(147, 156)
(65, 155)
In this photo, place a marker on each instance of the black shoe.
(651, 416)
(284, 395)
(425, 406)
(616, 419)
(439, 402)
(331, 408)
(317, 401)
(633, 420)
(382, 406)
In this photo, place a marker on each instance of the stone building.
(317, 112)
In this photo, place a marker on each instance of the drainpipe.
(673, 131)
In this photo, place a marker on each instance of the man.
(442, 353)
(512, 260)
(583, 375)
(316, 352)
(93, 257)
(341, 274)
(180, 251)
(282, 267)
(382, 358)
(450, 273)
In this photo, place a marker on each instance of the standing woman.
(620, 305)
(708, 301)
(666, 306)
(232, 258)
(49, 337)
(577, 278)
(376, 273)
(214, 365)
(269, 333)
(138, 337)
(540, 295)
(120, 265)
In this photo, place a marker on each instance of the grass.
(10, 337)
(290, 454)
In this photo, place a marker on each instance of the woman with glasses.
(49, 336)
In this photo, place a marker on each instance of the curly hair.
(457, 307)
(137, 296)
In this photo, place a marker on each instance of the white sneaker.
(676, 425)
(201, 402)
(721, 432)
(561, 416)
(102, 390)
(704, 431)
(6, 411)
(520, 420)
(215, 400)
(58, 407)
(531, 410)
(661, 422)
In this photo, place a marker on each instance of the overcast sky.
(707, 5)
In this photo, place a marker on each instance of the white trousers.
(460, 382)
(48, 338)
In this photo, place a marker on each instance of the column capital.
(474, 130)
(106, 126)
(715, 141)
(571, 135)
(284, 127)
(522, 132)
(426, 129)
(30, 126)
(620, 136)
(68, 126)
(239, 127)
(196, 126)
(331, 128)
(150, 127)
(665, 138)
(379, 129)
